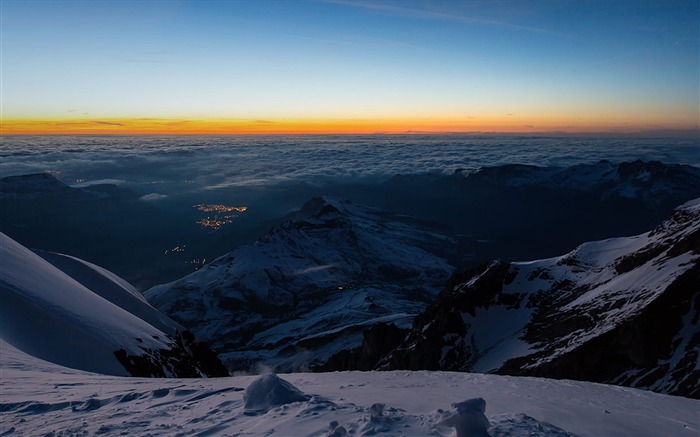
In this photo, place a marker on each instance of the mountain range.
(621, 311)
(341, 286)
(334, 286)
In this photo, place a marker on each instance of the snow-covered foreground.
(40, 398)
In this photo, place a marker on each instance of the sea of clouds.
(158, 164)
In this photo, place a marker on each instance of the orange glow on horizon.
(173, 126)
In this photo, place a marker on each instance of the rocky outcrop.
(187, 358)
(378, 341)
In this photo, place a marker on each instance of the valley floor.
(40, 398)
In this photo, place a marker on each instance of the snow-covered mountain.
(530, 212)
(650, 182)
(622, 311)
(40, 398)
(311, 285)
(68, 311)
(30, 185)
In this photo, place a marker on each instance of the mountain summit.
(307, 288)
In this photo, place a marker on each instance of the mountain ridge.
(619, 311)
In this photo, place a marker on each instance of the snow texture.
(41, 398)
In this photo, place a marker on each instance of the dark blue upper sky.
(549, 65)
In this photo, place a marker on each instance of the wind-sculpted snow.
(40, 398)
(313, 282)
(271, 391)
(78, 315)
(621, 310)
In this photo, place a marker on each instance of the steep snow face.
(311, 284)
(622, 310)
(48, 311)
(112, 288)
(40, 398)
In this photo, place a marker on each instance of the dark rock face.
(378, 341)
(188, 358)
(423, 347)
(622, 311)
(631, 353)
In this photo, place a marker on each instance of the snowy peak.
(316, 279)
(320, 207)
(622, 310)
(49, 310)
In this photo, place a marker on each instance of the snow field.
(40, 398)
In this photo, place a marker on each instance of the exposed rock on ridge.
(623, 311)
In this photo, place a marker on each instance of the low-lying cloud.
(152, 196)
(208, 163)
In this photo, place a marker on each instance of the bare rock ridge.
(621, 311)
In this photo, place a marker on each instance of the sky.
(341, 66)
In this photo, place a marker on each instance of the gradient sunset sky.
(337, 66)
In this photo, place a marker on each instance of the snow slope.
(622, 310)
(40, 398)
(78, 315)
(311, 285)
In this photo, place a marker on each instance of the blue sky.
(566, 65)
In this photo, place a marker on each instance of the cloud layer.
(210, 163)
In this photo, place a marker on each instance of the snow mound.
(271, 391)
(468, 419)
